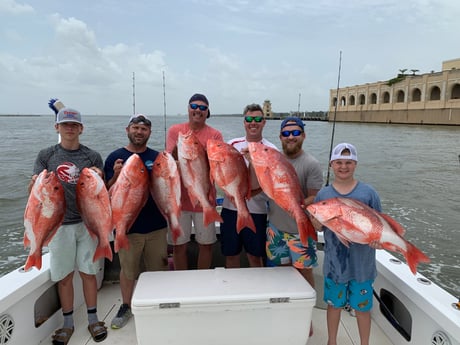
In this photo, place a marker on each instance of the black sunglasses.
(195, 106)
(140, 120)
(295, 132)
(253, 118)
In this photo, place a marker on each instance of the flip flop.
(98, 331)
(62, 336)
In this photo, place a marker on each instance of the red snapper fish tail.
(210, 215)
(121, 241)
(175, 227)
(306, 229)
(412, 254)
(35, 259)
(244, 220)
(175, 233)
(103, 252)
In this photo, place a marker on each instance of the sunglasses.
(295, 132)
(195, 106)
(140, 120)
(253, 118)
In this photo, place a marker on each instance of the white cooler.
(223, 306)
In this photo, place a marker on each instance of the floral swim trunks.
(284, 248)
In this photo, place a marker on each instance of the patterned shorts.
(284, 248)
(357, 295)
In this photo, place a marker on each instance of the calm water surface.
(415, 169)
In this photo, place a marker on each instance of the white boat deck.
(109, 300)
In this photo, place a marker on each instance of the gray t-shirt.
(310, 176)
(67, 164)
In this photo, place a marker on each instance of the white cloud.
(14, 7)
(236, 52)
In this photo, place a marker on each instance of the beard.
(137, 141)
(291, 148)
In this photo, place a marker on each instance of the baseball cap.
(202, 98)
(338, 150)
(68, 115)
(297, 121)
(139, 119)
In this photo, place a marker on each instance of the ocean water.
(415, 169)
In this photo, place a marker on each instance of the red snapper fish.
(229, 171)
(93, 203)
(278, 179)
(128, 196)
(165, 187)
(353, 221)
(194, 171)
(43, 215)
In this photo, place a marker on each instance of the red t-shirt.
(203, 135)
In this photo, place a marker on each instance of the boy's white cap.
(338, 150)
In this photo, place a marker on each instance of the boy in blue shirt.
(349, 272)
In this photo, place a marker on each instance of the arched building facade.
(430, 98)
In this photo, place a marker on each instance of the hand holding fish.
(98, 171)
(116, 172)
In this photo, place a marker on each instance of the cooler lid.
(220, 285)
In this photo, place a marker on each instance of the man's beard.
(137, 141)
(291, 150)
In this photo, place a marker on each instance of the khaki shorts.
(189, 220)
(72, 248)
(147, 252)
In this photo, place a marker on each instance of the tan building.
(430, 98)
(267, 109)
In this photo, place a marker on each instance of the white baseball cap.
(337, 152)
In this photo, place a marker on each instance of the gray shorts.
(189, 220)
(72, 248)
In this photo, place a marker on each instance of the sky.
(236, 52)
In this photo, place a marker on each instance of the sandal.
(62, 336)
(98, 331)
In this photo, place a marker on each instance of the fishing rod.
(164, 104)
(333, 122)
(134, 94)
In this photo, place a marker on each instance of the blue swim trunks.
(284, 248)
(357, 295)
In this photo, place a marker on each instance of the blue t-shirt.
(342, 264)
(150, 217)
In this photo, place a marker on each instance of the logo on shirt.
(68, 172)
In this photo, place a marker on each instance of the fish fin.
(50, 236)
(394, 224)
(244, 220)
(91, 233)
(306, 229)
(412, 254)
(103, 252)
(194, 200)
(121, 242)
(176, 232)
(26, 241)
(210, 215)
(34, 260)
